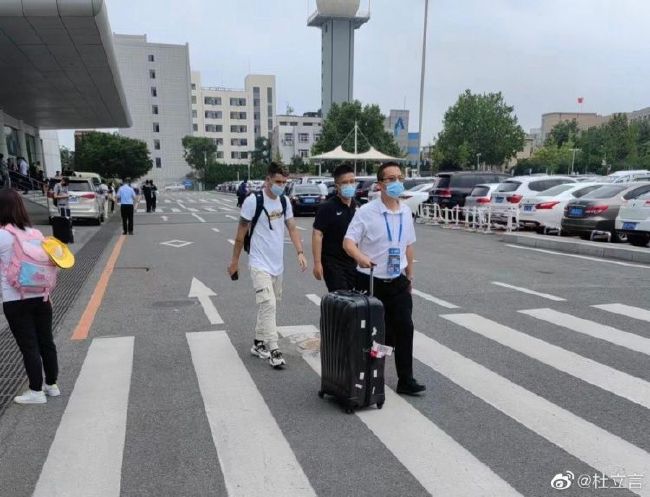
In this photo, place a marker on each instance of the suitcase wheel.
(349, 410)
(321, 394)
(380, 404)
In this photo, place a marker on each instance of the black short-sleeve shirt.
(333, 219)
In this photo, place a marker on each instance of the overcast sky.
(542, 54)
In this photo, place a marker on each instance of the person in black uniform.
(146, 191)
(332, 220)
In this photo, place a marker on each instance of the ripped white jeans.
(268, 292)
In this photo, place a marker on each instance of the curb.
(593, 249)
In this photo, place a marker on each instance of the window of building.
(156, 144)
(158, 162)
(195, 113)
(303, 153)
(269, 95)
(195, 127)
(152, 58)
(238, 115)
(307, 124)
(213, 114)
(303, 137)
(256, 116)
(293, 123)
(152, 73)
(269, 110)
(316, 137)
(213, 128)
(238, 129)
(156, 127)
(283, 123)
(154, 91)
(219, 155)
(193, 86)
(218, 141)
(270, 124)
(239, 142)
(154, 109)
(237, 102)
(239, 155)
(194, 99)
(288, 138)
(212, 100)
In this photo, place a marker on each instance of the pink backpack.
(30, 269)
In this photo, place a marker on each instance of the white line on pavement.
(226, 209)
(216, 230)
(593, 329)
(140, 211)
(425, 450)
(85, 457)
(626, 310)
(167, 201)
(209, 209)
(231, 241)
(605, 377)
(435, 300)
(164, 218)
(202, 200)
(530, 292)
(191, 209)
(251, 447)
(585, 257)
(199, 218)
(175, 210)
(584, 440)
(232, 217)
(313, 298)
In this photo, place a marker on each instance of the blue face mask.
(395, 189)
(277, 190)
(348, 191)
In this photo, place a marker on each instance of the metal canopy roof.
(57, 65)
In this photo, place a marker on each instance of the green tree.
(479, 124)
(338, 129)
(563, 132)
(199, 153)
(112, 156)
(262, 153)
(67, 159)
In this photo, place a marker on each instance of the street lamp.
(573, 160)
(478, 157)
(424, 61)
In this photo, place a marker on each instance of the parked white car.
(177, 187)
(512, 191)
(481, 195)
(416, 196)
(545, 210)
(634, 220)
(84, 201)
(627, 176)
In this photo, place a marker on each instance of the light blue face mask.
(277, 190)
(395, 189)
(348, 191)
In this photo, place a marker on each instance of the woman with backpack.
(26, 305)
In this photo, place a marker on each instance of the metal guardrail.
(474, 219)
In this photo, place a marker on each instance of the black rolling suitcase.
(62, 229)
(352, 337)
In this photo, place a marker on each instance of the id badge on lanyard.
(394, 263)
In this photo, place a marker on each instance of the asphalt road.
(526, 379)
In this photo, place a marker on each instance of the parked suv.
(454, 187)
(85, 202)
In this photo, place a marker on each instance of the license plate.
(500, 200)
(528, 208)
(73, 200)
(629, 226)
(309, 200)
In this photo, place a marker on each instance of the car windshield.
(606, 192)
(306, 190)
(556, 190)
(79, 186)
(480, 191)
(419, 188)
(508, 186)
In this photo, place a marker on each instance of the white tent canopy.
(337, 154)
(375, 155)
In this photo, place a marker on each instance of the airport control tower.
(337, 20)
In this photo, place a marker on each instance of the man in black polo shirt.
(331, 223)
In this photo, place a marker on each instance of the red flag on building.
(581, 99)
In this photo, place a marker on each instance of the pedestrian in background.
(242, 193)
(264, 216)
(126, 197)
(62, 196)
(382, 235)
(154, 195)
(331, 262)
(4, 173)
(146, 191)
(29, 315)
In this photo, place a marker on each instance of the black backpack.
(259, 208)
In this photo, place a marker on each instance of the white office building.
(156, 79)
(234, 118)
(294, 136)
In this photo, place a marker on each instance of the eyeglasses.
(392, 179)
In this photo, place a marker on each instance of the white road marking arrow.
(201, 292)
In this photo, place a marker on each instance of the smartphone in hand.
(234, 276)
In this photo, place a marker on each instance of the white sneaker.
(276, 360)
(51, 390)
(260, 350)
(31, 397)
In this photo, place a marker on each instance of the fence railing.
(486, 219)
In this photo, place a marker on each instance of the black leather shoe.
(411, 387)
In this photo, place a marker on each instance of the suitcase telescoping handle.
(371, 291)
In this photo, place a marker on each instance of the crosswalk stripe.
(605, 377)
(232, 217)
(593, 329)
(586, 441)
(191, 209)
(140, 211)
(216, 230)
(313, 298)
(175, 210)
(231, 241)
(160, 209)
(167, 201)
(530, 292)
(201, 220)
(85, 457)
(226, 209)
(253, 452)
(626, 310)
(435, 300)
(209, 209)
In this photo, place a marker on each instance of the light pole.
(573, 159)
(422, 73)
(478, 157)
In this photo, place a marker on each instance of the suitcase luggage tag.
(378, 351)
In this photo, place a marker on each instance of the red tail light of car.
(483, 200)
(546, 205)
(515, 199)
(444, 193)
(595, 210)
(88, 196)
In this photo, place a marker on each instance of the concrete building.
(294, 136)
(584, 120)
(59, 73)
(234, 118)
(397, 124)
(639, 115)
(337, 20)
(157, 81)
(413, 153)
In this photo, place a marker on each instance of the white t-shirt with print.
(267, 245)
(9, 293)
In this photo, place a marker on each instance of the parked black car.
(364, 186)
(454, 186)
(305, 198)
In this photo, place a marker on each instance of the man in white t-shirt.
(266, 256)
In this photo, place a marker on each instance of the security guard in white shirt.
(382, 235)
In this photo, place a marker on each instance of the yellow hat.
(59, 252)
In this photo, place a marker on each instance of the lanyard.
(390, 236)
